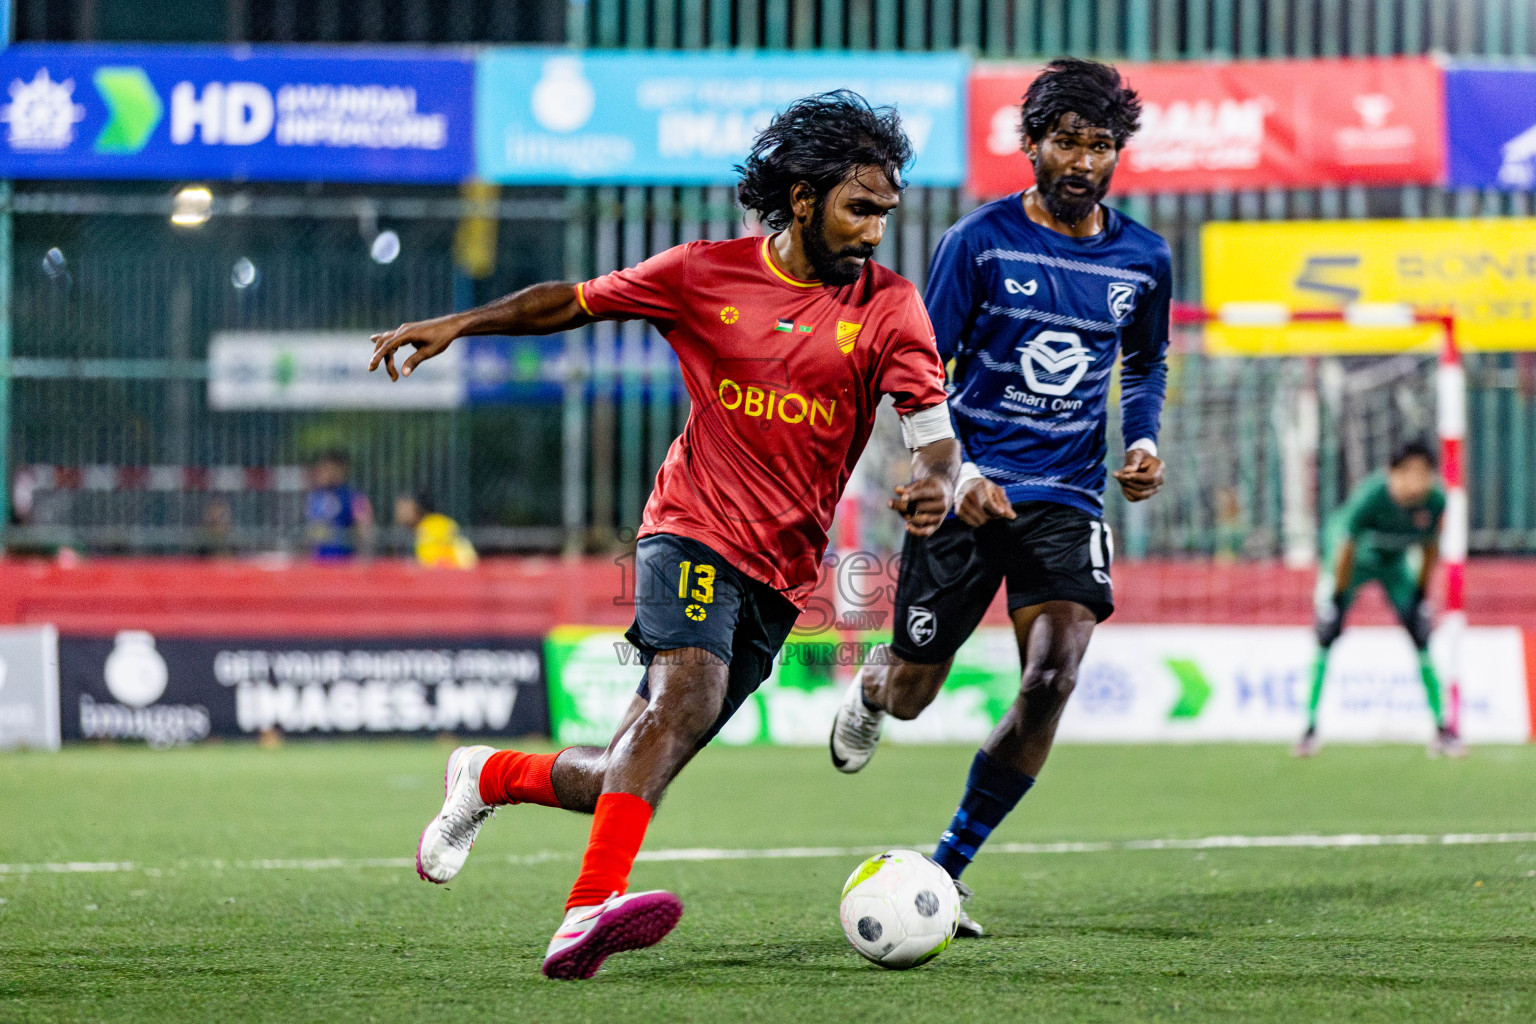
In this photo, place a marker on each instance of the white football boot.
(445, 842)
(1446, 744)
(1308, 745)
(855, 730)
(966, 928)
(590, 935)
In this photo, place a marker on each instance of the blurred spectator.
(439, 543)
(218, 526)
(338, 519)
(1231, 531)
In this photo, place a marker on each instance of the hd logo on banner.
(274, 114)
(551, 117)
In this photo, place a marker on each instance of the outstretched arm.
(538, 309)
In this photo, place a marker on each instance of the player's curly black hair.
(819, 140)
(1093, 91)
(1414, 449)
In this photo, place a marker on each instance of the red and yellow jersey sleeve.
(909, 369)
(651, 290)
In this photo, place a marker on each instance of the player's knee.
(1056, 680)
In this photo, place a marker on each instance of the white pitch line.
(1307, 842)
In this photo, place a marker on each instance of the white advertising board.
(322, 370)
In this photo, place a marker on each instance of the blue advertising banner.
(1490, 116)
(273, 113)
(533, 371)
(551, 117)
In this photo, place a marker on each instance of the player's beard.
(1067, 207)
(834, 268)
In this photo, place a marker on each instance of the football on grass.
(899, 909)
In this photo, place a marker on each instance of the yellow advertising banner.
(1483, 271)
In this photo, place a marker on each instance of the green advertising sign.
(593, 673)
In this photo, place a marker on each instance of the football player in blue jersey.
(1033, 297)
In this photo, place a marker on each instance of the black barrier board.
(168, 690)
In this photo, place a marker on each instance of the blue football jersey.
(1034, 321)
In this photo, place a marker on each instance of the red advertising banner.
(1241, 125)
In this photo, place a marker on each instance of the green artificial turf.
(194, 931)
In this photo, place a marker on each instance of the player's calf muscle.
(903, 688)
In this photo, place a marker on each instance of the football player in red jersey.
(787, 344)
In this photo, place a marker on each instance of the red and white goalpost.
(1451, 422)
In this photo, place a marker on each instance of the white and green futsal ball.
(899, 909)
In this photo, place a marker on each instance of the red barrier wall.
(522, 596)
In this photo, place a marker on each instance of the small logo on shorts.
(695, 612)
(1102, 577)
(921, 625)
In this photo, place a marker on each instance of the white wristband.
(926, 426)
(969, 475)
(1145, 444)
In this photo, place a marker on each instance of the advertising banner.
(1483, 271)
(29, 688)
(1241, 125)
(1136, 684)
(1202, 683)
(322, 370)
(1490, 127)
(521, 371)
(169, 691)
(266, 113)
(553, 116)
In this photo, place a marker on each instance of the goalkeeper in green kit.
(1386, 531)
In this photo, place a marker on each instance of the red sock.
(512, 777)
(618, 829)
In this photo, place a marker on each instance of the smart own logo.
(1054, 362)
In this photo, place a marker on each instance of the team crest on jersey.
(921, 625)
(847, 335)
(1122, 300)
(1054, 362)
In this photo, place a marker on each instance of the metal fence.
(110, 371)
(1129, 29)
(1117, 29)
(109, 347)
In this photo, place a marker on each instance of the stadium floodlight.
(243, 275)
(386, 248)
(192, 207)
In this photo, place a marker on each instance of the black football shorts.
(1051, 552)
(687, 595)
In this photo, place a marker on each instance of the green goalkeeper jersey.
(1381, 528)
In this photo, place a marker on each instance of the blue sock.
(991, 791)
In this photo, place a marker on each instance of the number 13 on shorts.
(703, 576)
(1101, 550)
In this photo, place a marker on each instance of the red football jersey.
(785, 377)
